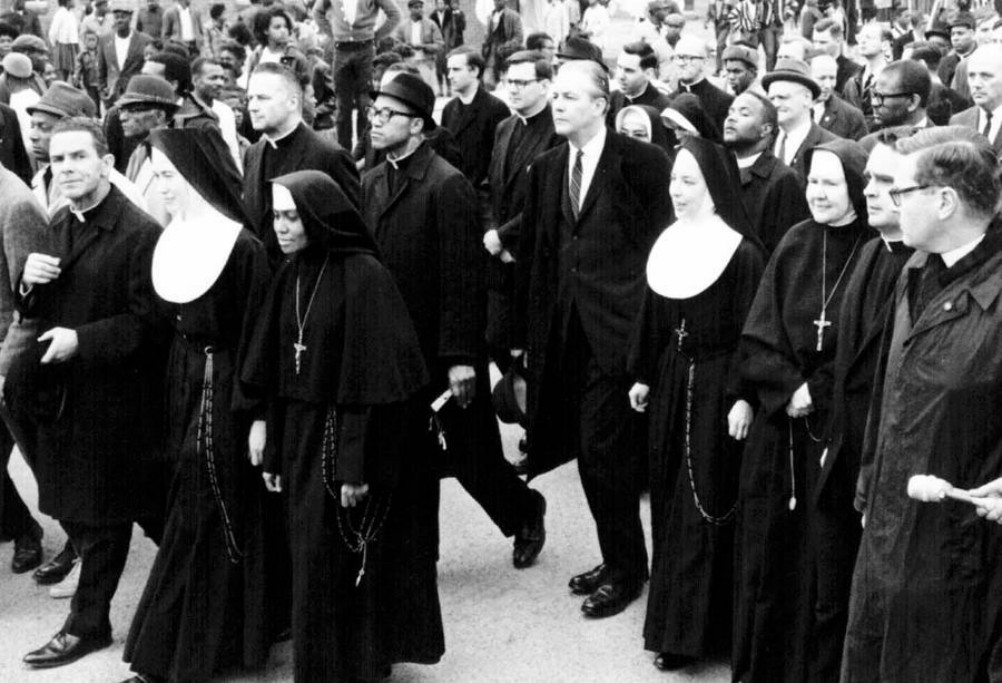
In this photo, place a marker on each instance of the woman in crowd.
(644, 123)
(203, 607)
(337, 356)
(701, 276)
(788, 350)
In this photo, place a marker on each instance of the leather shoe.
(529, 542)
(585, 584)
(27, 553)
(666, 661)
(609, 599)
(65, 648)
(56, 569)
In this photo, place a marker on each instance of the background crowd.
(261, 260)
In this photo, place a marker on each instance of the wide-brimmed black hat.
(152, 91)
(412, 91)
(795, 70)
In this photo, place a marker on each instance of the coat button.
(948, 306)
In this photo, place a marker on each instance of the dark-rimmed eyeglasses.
(879, 97)
(895, 193)
(519, 84)
(384, 115)
(688, 58)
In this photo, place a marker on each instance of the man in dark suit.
(772, 192)
(690, 56)
(114, 68)
(519, 139)
(182, 24)
(13, 153)
(90, 392)
(594, 209)
(274, 104)
(792, 91)
(985, 73)
(636, 71)
(424, 216)
(901, 95)
(502, 37)
(473, 114)
(23, 19)
(831, 112)
(828, 37)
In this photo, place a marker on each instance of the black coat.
(846, 70)
(774, 199)
(302, 149)
(815, 137)
(716, 103)
(13, 155)
(594, 265)
(473, 126)
(651, 96)
(99, 415)
(843, 119)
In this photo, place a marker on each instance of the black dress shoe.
(529, 541)
(609, 599)
(65, 648)
(27, 553)
(585, 584)
(56, 569)
(666, 661)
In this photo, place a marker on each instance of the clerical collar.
(748, 162)
(640, 94)
(951, 257)
(689, 86)
(892, 246)
(526, 120)
(273, 142)
(94, 215)
(401, 163)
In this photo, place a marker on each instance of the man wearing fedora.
(63, 101)
(119, 54)
(423, 212)
(792, 91)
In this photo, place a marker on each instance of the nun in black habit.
(203, 609)
(337, 356)
(788, 352)
(701, 276)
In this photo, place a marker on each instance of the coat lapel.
(607, 163)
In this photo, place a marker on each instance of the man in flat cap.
(741, 66)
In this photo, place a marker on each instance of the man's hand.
(40, 269)
(992, 493)
(352, 495)
(800, 404)
(492, 242)
(463, 382)
(272, 482)
(739, 419)
(256, 441)
(638, 397)
(63, 347)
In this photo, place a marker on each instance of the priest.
(789, 344)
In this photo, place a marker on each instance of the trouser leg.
(15, 518)
(103, 551)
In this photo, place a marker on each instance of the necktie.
(575, 189)
(781, 147)
(986, 129)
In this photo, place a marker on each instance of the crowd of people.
(255, 281)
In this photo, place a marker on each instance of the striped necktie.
(575, 188)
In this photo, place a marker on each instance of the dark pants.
(596, 412)
(103, 551)
(352, 84)
(15, 518)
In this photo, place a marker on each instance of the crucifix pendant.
(821, 324)
(299, 346)
(680, 331)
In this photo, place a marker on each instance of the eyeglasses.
(384, 115)
(879, 97)
(678, 26)
(688, 58)
(518, 84)
(897, 192)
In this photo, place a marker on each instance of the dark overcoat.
(473, 127)
(98, 417)
(774, 199)
(599, 270)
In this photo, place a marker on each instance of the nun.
(702, 274)
(643, 122)
(336, 355)
(202, 609)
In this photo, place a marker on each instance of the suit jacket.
(846, 70)
(651, 96)
(969, 118)
(13, 155)
(473, 127)
(452, 25)
(300, 150)
(430, 35)
(815, 137)
(716, 103)
(843, 119)
(504, 33)
(112, 81)
(774, 198)
(172, 26)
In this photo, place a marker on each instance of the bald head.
(984, 72)
(824, 70)
(690, 58)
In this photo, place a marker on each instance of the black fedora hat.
(795, 70)
(412, 91)
(509, 396)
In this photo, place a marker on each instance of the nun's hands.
(463, 382)
(638, 397)
(272, 482)
(352, 494)
(739, 419)
(801, 404)
(255, 442)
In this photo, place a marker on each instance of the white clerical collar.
(748, 162)
(689, 256)
(951, 257)
(924, 123)
(592, 148)
(396, 161)
(273, 141)
(888, 243)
